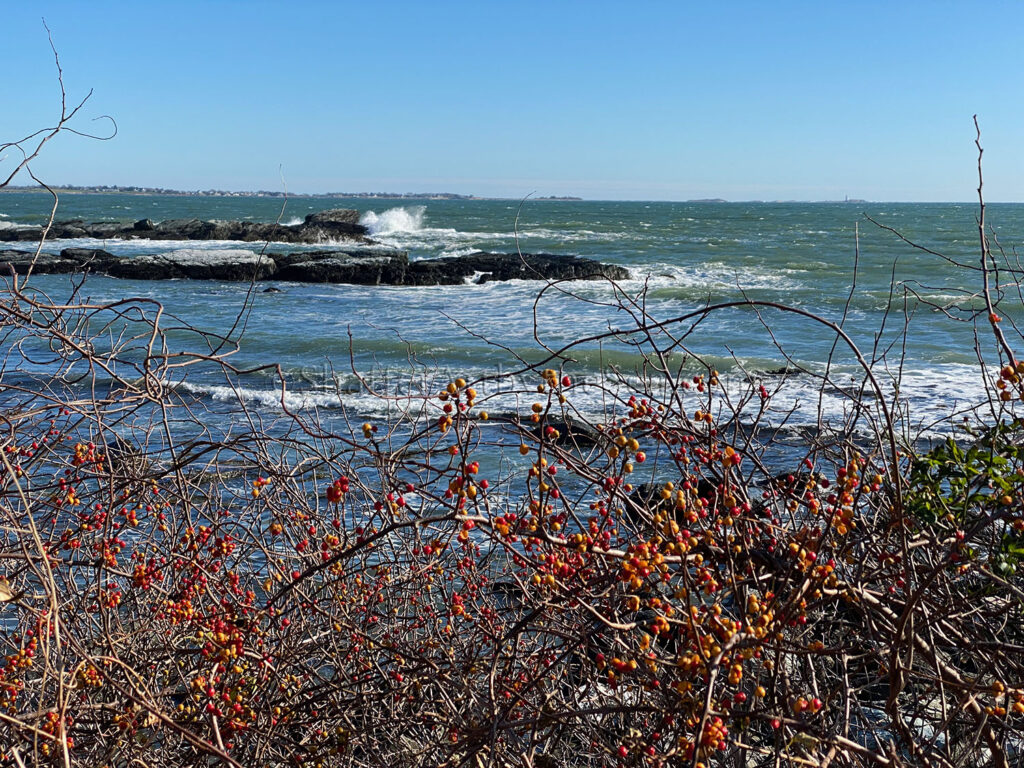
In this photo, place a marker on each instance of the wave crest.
(395, 220)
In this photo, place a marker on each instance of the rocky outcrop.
(70, 260)
(93, 259)
(334, 224)
(45, 263)
(337, 224)
(358, 266)
(485, 267)
(230, 265)
(375, 267)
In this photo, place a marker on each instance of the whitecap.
(139, 246)
(395, 220)
(716, 276)
(797, 401)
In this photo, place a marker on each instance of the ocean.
(908, 311)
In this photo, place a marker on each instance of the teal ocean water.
(906, 309)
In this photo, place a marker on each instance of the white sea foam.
(406, 228)
(716, 276)
(272, 399)
(455, 252)
(429, 241)
(143, 246)
(395, 220)
(929, 394)
(577, 235)
(403, 227)
(799, 401)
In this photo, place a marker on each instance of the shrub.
(648, 590)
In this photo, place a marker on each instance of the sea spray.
(393, 220)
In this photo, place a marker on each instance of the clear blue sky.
(645, 100)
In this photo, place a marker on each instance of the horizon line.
(114, 189)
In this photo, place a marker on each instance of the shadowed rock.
(569, 430)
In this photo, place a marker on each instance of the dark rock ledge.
(355, 265)
(359, 263)
(338, 224)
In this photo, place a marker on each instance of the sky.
(643, 100)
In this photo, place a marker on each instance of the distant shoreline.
(153, 191)
(216, 193)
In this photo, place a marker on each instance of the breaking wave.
(395, 220)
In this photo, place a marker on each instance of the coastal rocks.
(355, 266)
(482, 267)
(190, 229)
(229, 265)
(375, 267)
(568, 430)
(333, 217)
(93, 259)
(45, 263)
(337, 224)
(362, 263)
(69, 260)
